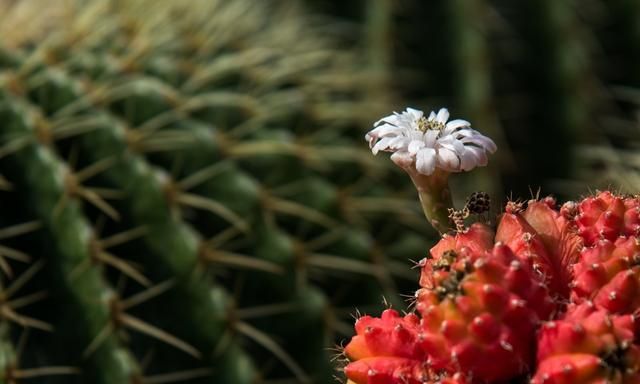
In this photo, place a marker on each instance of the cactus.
(588, 345)
(487, 298)
(195, 198)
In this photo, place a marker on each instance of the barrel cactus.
(182, 198)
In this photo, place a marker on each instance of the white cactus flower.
(430, 143)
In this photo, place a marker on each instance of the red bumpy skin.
(608, 273)
(479, 308)
(390, 379)
(385, 350)
(588, 346)
(608, 216)
(389, 335)
(608, 270)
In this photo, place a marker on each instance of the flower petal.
(443, 115)
(381, 145)
(479, 154)
(385, 129)
(464, 132)
(398, 142)
(481, 141)
(415, 146)
(468, 161)
(457, 123)
(426, 161)
(452, 144)
(430, 137)
(391, 119)
(490, 145)
(415, 113)
(448, 160)
(402, 159)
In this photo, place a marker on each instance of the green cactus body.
(86, 296)
(203, 187)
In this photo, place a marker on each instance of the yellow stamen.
(424, 124)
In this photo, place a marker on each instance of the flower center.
(451, 285)
(424, 124)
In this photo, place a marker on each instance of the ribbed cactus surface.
(185, 193)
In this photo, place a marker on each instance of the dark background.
(553, 82)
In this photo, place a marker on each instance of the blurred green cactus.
(203, 205)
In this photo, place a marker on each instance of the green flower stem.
(435, 197)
